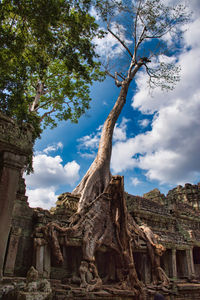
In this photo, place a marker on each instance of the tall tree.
(47, 60)
(140, 27)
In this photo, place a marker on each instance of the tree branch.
(40, 90)
(141, 37)
(121, 76)
(138, 65)
(116, 74)
(47, 113)
(135, 28)
(132, 64)
(121, 42)
(108, 73)
(117, 82)
(41, 106)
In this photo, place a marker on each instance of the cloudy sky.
(156, 140)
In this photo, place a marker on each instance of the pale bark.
(98, 176)
(39, 91)
(155, 250)
(101, 218)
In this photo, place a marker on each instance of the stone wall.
(15, 147)
(188, 195)
(15, 138)
(174, 218)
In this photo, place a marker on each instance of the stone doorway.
(166, 263)
(196, 258)
(143, 266)
(181, 262)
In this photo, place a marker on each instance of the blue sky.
(156, 141)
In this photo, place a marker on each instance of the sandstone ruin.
(162, 253)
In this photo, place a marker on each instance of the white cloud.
(135, 181)
(54, 147)
(49, 174)
(191, 35)
(88, 144)
(122, 156)
(90, 141)
(48, 171)
(88, 155)
(144, 123)
(120, 130)
(42, 197)
(169, 152)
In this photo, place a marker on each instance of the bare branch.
(142, 36)
(132, 64)
(121, 76)
(108, 73)
(121, 42)
(135, 28)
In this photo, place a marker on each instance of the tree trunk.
(104, 223)
(98, 176)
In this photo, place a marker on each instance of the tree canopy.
(47, 60)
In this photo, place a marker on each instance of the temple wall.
(15, 146)
(173, 218)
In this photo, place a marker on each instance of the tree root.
(155, 250)
(106, 222)
(89, 276)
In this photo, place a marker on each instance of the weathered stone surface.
(15, 145)
(66, 205)
(174, 219)
(15, 138)
(186, 196)
(12, 251)
(11, 165)
(155, 195)
(32, 275)
(22, 220)
(33, 296)
(33, 289)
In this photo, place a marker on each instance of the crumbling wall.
(21, 230)
(189, 195)
(15, 146)
(173, 219)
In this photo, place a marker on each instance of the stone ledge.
(188, 286)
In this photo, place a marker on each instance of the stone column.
(47, 261)
(40, 259)
(12, 252)
(11, 166)
(174, 268)
(190, 263)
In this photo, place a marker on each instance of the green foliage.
(46, 42)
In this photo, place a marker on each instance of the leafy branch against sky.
(161, 154)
